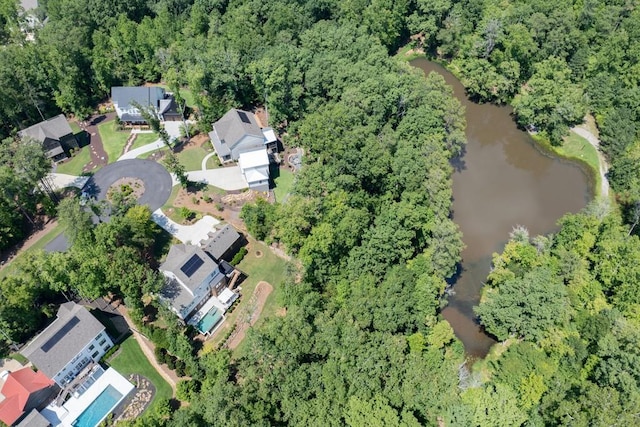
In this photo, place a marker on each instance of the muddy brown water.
(501, 181)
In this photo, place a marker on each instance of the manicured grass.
(10, 269)
(185, 93)
(75, 127)
(213, 162)
(269, 268)
(284, 183)
(143, 139)
(75, 165)
(576, 148)
(191, 158)
(131, 360)
(113, 140)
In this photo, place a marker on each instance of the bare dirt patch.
(225, 207)
(250, 315)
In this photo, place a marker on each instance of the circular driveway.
(157, 181)
(157, 188)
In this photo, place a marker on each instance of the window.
(102, 341)
(91, 347)
(95, 354)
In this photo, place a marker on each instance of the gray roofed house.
(222, 244)
(192, 278)
(235, 133)
(69, 344)
(162, 103)
(55, 135)
(34, 419)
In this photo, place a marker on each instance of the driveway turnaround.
(157, 187)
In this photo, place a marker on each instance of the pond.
(501, 181)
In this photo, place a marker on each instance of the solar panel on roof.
(243, 117)
(191, 266)
(51, 342)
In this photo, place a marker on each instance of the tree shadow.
(458, 162)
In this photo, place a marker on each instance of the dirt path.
(252, 314)
(98, 154)
(604, 167)
(8, 256)
(148, 348)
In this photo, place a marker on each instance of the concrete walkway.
(604, 167)
(229, 179)
(142, 150)
(206, 158)
(62, 180)
(186, 233)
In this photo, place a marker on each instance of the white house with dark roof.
(238, 132)
(67, 346)
(124, 99)
(255, 169)
(55, 135)
(192, 279)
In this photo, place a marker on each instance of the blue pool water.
(209, 320)
(99, 408)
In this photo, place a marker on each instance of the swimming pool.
(209, 320)
(99, 408)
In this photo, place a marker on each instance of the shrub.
(220, 207)
(239, 256)
(207, 198)
(161, 354)
(180, 367)
(195, 200)
(111, 352)
(187, 213)
(171, 361)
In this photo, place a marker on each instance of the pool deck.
(213, 302)
(66, 414)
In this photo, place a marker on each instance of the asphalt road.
(157, 188)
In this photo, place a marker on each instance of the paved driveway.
(186, 233)
(228, 179)
(157, 187)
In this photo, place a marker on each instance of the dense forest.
(369, 219)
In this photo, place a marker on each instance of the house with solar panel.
(196, 286)
(73, 342)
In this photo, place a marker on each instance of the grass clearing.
(191, 157)
(131, 360)
(75, 127)
(267, 267)
(76, 164)
(576, 148)
(10, 268)
(185, 93)
(113, 140)
(284, 184)
(213, 162)
(144, 139)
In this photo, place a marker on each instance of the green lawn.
(143, 139)
(75, 165)
(576, 147)
(267, 267)
(40, 244)
(191, 158)
(213, 162)
(131, 360)
(284, 183)
(75, 127)
(113, 141)
(185, 93)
